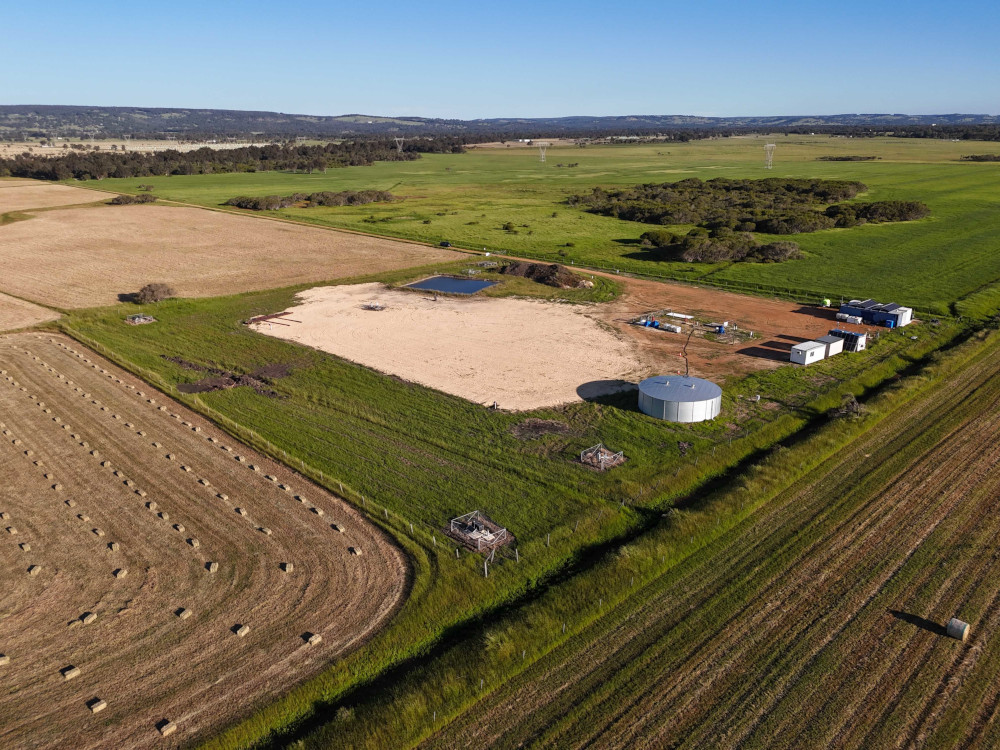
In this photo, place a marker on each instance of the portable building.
(853, 342)
(889, 315)
(808, 352)
(833, 344)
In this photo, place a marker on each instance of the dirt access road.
(90, 457)
(818, 622)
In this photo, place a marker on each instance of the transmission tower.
(399, 144)
(541, 151)
(768, 155)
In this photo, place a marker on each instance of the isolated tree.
(153, 293)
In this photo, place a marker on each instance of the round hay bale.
(71, 503)
(958, 629)
(94, 453)
(194, 542)
(25, 547)
(317, 511)
(57, 487)
(162, 408)
(120, 572)
(254, 467)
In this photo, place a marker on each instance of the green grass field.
(466, 198)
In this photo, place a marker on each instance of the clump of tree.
(737, 204)
(153, 293)
(325, 198)
(127, 200)
(877, 212)
(718, 246)
(981, 157)
(770, 206)
(848, 158)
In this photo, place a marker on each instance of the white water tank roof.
(679, 388)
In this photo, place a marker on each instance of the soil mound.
(533, 428)
(550, 275)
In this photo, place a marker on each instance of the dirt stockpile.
(550, 275)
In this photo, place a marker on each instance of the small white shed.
(808, 352)
(833, 344)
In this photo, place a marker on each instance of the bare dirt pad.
(523, 354)
(21, 195)
(109, 459)
(15, 313)
(88, 256)
(776, 324)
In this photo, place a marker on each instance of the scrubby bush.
(127, 200)
(153, 293)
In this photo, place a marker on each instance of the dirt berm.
(550, 275)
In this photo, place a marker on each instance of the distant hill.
(17, 121)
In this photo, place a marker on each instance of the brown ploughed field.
(85, 448)
(86, 257)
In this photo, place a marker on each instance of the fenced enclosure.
(478, 532)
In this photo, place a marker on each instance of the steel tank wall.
(680, 411)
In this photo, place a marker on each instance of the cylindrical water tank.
(680, 398)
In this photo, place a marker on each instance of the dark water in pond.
(450, 285)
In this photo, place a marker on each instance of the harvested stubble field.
(21, 195)
(818, 622)
(85, 257)
(84, 451)
(16, 313)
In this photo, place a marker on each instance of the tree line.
(324, 198)
(98, 165)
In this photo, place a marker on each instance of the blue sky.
(542, 59)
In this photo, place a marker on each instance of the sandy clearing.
(83, 257)
(139, 655)
(21, 195)
(523, 354)
(15, 313)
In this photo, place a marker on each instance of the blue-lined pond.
(451, 285)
